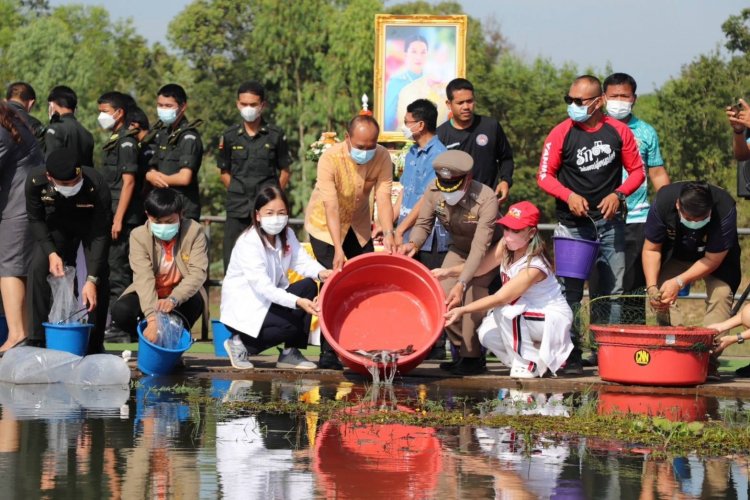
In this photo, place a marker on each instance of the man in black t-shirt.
(691, 234)
(480, 136)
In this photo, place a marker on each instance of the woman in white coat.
(258, 305)
(528, 328)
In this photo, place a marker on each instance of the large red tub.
(380, 301)
(653, 355)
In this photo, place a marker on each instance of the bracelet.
(172, 300)
(390, 231)
(650, 287)
(680, 283)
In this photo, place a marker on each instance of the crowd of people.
(129, 224)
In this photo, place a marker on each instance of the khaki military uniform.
(471, 224)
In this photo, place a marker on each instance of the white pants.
(518, 341)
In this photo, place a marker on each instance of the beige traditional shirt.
(340, 180)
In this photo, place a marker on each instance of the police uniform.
(179, 147)
(35, 125)
(471, 225)
(59, 225)
(251, 162)
(122, 157)
(65, 132)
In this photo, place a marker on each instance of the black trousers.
(282, 324)
(232, 230)
(126, 312)
(633, 283)
(120, 273)
(39, 293)
(324, 252)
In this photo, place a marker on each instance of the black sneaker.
(329, 361)
(573, 367)
(743, 372)
(437, 352)
(447, 365)
(592, 360)
(469, 366)
(116, 335)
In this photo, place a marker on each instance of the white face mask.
(408, 134)
(274, 224)
(619, 109)
(250, 113)
(454, 197)
(106, 121)
(68, 191)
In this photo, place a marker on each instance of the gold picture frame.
(415, 57)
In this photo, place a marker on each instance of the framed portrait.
(415, 58)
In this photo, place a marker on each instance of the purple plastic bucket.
(574, 258)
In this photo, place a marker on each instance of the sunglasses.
(577, 100)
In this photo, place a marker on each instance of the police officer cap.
(62, 165)
(451, 167)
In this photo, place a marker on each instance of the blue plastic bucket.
(68, 337)
(220, 333)
(155, 360)
(574, 258)
(684, 291)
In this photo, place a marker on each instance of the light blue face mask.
(578, 113)
(362, 156)
(165, 232)
(167, 115)
(694, 224)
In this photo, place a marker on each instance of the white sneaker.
(237, 355)
(521, 372)
(294, 360)
(239, 390)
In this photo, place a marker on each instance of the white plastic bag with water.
(64, 301)
(168, 330)
(34, 365)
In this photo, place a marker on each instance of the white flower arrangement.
(317, 148)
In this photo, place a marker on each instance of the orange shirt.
(169, 275)
(341, 180)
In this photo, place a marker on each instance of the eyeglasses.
(413, 121)
(578, 101)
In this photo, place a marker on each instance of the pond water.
(158, 440)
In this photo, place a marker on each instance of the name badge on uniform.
(471, 218)
(84, 205)
(440, 208)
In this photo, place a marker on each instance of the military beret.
(62, 165)
(451, 167)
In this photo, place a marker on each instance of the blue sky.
(650, 39)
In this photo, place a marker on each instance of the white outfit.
(533, 333)
(257, 278)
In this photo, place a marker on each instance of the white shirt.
(257, 278)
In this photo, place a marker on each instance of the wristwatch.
(680, 283)
(740, 339)
(621, 196)
(172, 300)
(92, 279)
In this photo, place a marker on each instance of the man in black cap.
(21, 97)
(64, 131)
(68, 205)
(468, 210)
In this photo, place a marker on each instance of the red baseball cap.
(520, 215)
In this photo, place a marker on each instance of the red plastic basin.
(355, 460)
(380, 301)
(653, 355)
(676, 407)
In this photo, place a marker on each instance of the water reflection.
(158, 442)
